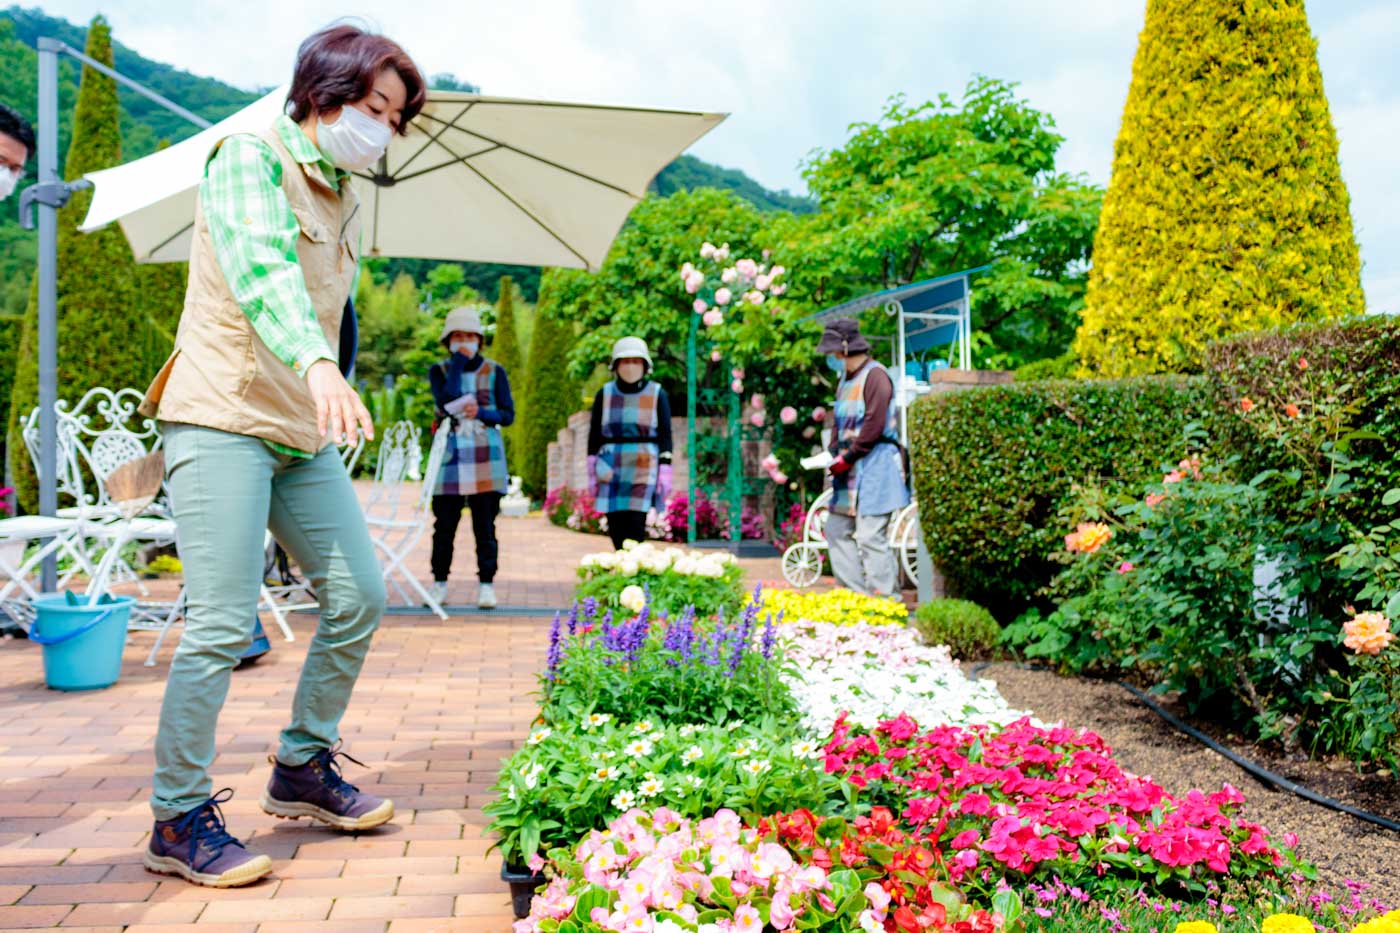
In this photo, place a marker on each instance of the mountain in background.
(146, 125)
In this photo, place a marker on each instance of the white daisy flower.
(694, 753)
(638, 748)
(624, 800)
(651, 787)
(757, 766)
(539, 735)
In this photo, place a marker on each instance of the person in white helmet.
(629, 444)
(474, 393)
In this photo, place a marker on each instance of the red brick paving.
(439, 704)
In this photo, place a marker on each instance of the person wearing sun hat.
(629, 444)
(868, 484)
(473, 392)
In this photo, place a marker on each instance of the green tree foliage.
(550, 393)
(99, 306)
(688, 173)
(505, 349)
(1226, 211)
(941, 187)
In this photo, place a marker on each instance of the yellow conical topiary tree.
(1226, 211)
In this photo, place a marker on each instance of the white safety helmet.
(630, 348)
(466, 319)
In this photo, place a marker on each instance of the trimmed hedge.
(1349, 371)
(966, 628)
(993, 466)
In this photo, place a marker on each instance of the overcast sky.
(795, 73)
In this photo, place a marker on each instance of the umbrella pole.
(48, 296)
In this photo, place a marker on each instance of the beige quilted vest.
(221, 375)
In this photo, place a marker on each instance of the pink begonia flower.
(762, 283)
(723, 296)
(737, 385)
(780, 913)
(747, 920)
(788, 415)
(716, 356)
(713, 317)
(707, 250)
(756, 401)
(818, 413)
(757, 419)
(878, 897)
(536, 862)
(700, 306)
(1125, 567)
(728, 276)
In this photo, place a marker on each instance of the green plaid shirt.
(254, 233)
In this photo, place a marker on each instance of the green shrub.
(994, 466)
(1226, 211)
(965, 627)
(1059, 367)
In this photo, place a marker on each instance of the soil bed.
(1341, 846)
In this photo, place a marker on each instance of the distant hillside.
(146, 124)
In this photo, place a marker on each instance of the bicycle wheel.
(802, 564)
(904, 538)
(813, 529)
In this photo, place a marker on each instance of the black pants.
(447, 513)
(627, 526)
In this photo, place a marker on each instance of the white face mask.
(631, 372)
(468, 346)
(355, 141)
(8, 179)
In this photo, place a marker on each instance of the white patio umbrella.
(484, 179)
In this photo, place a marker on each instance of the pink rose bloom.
(757, 419)
(686, 270)
(809, 432)
(818, 413)
(722, 253)
(778, 290)
(737, 372)
(763, 283)
(713, 317)
(747, 268)
(755, 298)
(788, 415)
(692, 284)
(1153, 498)
(777, 271)
(1125, 567)
(700, 306)
(716, 356)
(769, 463)
(780, 477)
(728, 275)
(757, 401)
(737, 385)
(723, 296)
(707, 250)
(1175, 476)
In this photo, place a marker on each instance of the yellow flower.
(1287, 923)
(1088, 537)
(838, 607)
(1390, 923)
(1196, 926)
(1368, 633)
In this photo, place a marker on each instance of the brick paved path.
(438, 705)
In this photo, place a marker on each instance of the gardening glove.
(839, 466)
(664, 479)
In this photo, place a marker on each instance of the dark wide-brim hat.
(843, 336)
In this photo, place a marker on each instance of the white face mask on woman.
(469, 347)
(631, 372)
(8, 179)
(355, 141)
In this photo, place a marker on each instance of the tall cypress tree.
(99, 305)
(550, 394)
(1226, 210)
(505, 349)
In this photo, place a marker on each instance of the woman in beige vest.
(252, 404)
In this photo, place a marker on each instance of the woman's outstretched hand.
(338, 406)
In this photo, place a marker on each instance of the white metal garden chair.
(395, 536)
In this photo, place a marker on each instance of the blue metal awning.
(917, 297)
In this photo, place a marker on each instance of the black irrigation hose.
(1261, 773)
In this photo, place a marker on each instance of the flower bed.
(835, 607)
(687, 777)
(709, 581)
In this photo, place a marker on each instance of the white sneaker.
(439, 591)
(486, 597)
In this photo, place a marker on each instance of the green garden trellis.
(711, 444)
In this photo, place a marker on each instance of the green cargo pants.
(226, 491)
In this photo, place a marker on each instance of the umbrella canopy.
(484, 179)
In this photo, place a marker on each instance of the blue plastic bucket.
(82, 644)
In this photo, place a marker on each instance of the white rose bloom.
(628, 567)
(633, 598)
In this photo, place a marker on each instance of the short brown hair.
(338, 65)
